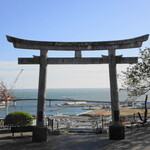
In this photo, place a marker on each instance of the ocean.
(30, 106)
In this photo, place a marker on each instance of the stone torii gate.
(116, 131)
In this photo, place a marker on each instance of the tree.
(136, 79)
(5, 95)
(18, 119)
(144, 119)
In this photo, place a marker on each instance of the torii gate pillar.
(116, 131)
(40, 131)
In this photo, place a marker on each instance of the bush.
(18, 119)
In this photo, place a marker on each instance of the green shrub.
(18, 119)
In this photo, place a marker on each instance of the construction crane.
(9, 95)
(17, 78)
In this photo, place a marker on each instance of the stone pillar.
(116, 130)
(78, 54)
(40, 131)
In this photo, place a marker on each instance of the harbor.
(89, 115)
(75, 112)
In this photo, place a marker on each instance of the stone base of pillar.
(116, 132)
(39, 134)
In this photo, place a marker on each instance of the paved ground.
(137, 140)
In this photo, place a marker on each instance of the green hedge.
(18, 119)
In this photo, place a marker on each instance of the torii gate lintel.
(78, 46)
(98, 60)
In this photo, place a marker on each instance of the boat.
(60, 104)
(71, 104)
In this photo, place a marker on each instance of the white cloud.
(74, 76)
(10, 70)
(58, 76)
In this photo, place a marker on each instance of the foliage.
(18, 119)
(136, 79)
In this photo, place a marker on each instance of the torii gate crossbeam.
(116, 131)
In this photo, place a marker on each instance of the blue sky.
(68, 20)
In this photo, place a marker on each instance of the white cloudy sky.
(66, 20)
(58, 76)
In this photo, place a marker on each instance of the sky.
(68, 20)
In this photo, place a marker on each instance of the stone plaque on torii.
(116, 131)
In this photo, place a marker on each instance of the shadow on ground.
(61, 142)
(137, 140)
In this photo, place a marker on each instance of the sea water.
(30, 106)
